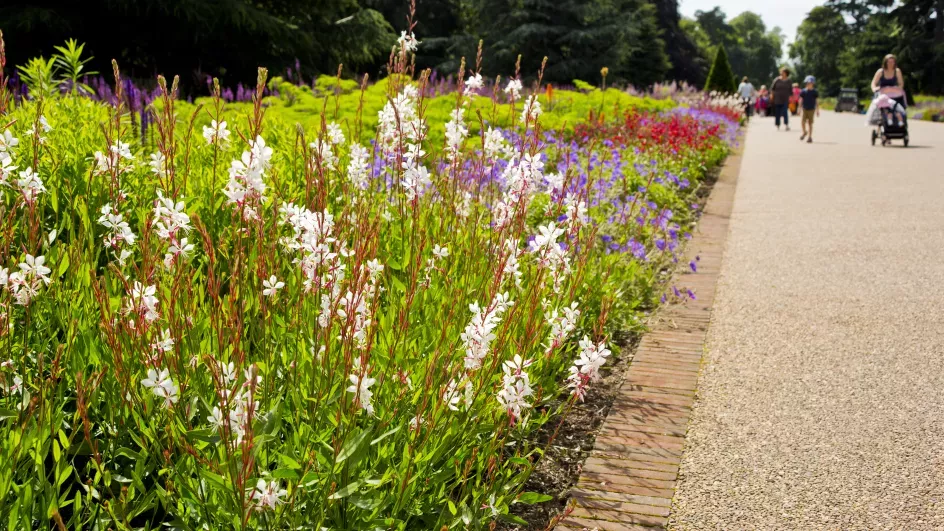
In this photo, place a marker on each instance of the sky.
(784, 13)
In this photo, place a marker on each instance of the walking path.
(821, 405)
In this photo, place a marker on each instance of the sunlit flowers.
(216, 134)
(246, 186)
(30, 185)
(143, 302)
(513, 88)
(271, 286)
(25, 283)
(360, 386)
(586, 369)
(267, 495)
(162, 385)
(118, 160)
(480, 332)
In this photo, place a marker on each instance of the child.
(891, 109)
(810, 98)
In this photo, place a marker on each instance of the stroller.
(890, 120)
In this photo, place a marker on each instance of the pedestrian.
(782, 89)
(889, 80)
(747, 92)
(810, 99)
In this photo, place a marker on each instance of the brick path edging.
(629, 479)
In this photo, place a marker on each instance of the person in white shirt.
(747, 93)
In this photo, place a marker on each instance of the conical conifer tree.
(721, 77)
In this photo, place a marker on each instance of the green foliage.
(820, 40)
(721, 78)
(752, 50)
(39, 75)
(257, 395)
(72, 66)
(583, 85)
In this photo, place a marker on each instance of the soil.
(559, 468)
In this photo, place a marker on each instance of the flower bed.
(234, 322)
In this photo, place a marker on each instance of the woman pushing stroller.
(888, 109)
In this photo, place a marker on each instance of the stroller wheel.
(906, 141)
(874, 137)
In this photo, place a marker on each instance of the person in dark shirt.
(781, 89)
(810, 99)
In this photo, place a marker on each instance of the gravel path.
(821, 405)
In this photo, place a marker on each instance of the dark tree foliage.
(752, 50)
(844, 42)
(863, 54)
(820, 39)
(578, 38)
(688, 63)
(721, 77)
(195, 38)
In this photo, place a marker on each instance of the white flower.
(161, 384)
(586, 369)
(531, 110)
(246, 186)
(216, 418)
(158, 164)
(268, 495)
(440, 252)
(216, 133)
(514, 393)
(474, 83)
(229, 373)
(272, 286)
(33, 267)
(164, 344)
(480, 332)
(494, 143)
(513, 88)
(546, 237)
(181, 249)
(576, 210)
(362, 393)
(7, 169)
(143, 302)
(335, 134)
(30, 185)
(452, 396)
(8, 141)
(358, 169)
(408, 42)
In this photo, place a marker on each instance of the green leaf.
(351, 446)
(286, 473)
(348, 489)
(452, 507)
(385, 435)
(513, 519)
(530, 498)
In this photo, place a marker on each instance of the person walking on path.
(782, 89)
(747, 92)
(889, 80)
(809, 98)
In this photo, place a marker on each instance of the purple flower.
(693, 266)
(691, 294)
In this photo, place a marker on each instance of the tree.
(714, 23)
(721, 78)
(578, 38)
(758, 51)
(196, 38)
(920, 47)
(688, 62)
(863, 53)
(820, 39)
